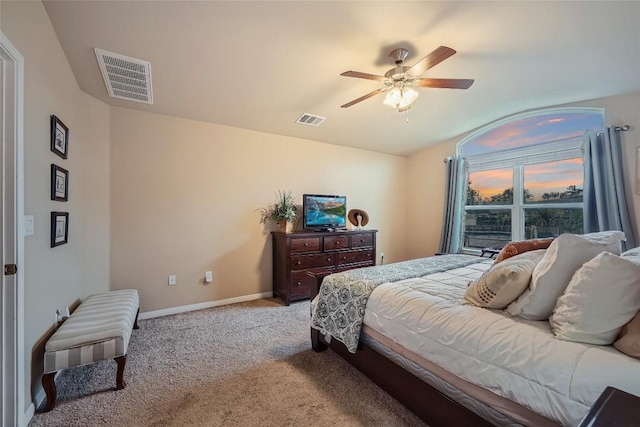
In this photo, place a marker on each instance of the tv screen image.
(324, 211)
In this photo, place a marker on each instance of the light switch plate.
(29, 225)
(172, 280)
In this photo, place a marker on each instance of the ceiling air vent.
(126, 78)
(310, 119)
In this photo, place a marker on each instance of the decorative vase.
(285, 226)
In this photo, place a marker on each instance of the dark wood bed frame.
(426, 402)
(613, 407)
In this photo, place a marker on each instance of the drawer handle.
(344, 257)
(306, 244)
(299, 283)
(299, 262)
(361, 240)
(329, 259)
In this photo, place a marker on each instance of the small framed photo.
(59, 183)
(59, 228)
(59, 137)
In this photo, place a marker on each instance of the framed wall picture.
(59, 137)
(59, 183)
(59, 228)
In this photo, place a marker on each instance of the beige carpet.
(248, 364)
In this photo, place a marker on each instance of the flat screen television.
(324, 212)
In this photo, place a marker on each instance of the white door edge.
(12, 56)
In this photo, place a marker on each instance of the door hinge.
(10, 269)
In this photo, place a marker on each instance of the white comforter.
(514, 358)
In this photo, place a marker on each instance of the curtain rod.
(621, 128)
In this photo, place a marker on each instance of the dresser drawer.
(361, 240)
(319, 273)
(355, 256)
(301, 284)
(346, 267)
(336, 243)
(311, 244)
(302, 262)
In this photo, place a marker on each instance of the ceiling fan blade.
(431, 60)
(363, 75)
(444, 83)
(362, 98)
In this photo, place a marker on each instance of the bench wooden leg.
(121, 361)
(49, 384)
(135, 322)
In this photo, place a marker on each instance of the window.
(525, 177)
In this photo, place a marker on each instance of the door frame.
(11, 59)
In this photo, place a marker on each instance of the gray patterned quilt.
(340, 305)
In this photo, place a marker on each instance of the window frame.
(517, 159)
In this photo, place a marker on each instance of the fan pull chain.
(407, 121)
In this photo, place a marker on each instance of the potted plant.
(283, 211)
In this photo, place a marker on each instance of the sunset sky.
(533, 130)
(540, 178)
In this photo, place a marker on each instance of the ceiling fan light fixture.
(393, 97)
(400, 97)
(408, 96)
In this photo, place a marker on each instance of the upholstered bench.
(98, 329)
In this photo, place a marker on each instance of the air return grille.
(125, 78)
(310, 119)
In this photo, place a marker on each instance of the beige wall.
(184, 196)
(426, 176)
(56, 277)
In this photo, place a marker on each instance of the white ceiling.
(259, 65)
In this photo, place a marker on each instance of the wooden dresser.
(302, 259)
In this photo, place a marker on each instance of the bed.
(409, 328)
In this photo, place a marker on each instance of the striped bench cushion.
(98, 329)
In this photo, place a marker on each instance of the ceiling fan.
(400, 81)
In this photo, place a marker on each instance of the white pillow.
(504, 282)
(601, 298)
(632, 252)
(551, 276)
(606, 237)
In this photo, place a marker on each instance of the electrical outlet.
(172, 280)
(208, 277)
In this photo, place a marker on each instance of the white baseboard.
(200, 306)
(26, 419)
